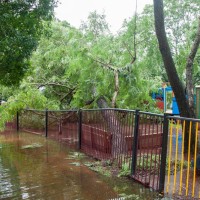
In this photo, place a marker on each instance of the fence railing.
(108, 133)
(148, 146)
(183, 165)
(60, 125)
(151, 145)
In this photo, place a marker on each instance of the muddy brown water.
(51, 170)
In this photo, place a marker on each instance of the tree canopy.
(21, 25)
(73, 67)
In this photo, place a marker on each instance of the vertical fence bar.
(163, 153)
(176, 157)
(171, 121)
(46, 123)
(189, 157)
(135, 143)
(17, 125)
(79, 128)
(182, 158)
(195, 160)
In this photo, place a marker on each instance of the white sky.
(75, 11)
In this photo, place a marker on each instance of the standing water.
(33, 167)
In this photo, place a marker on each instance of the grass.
(99, 167)
(147, 162)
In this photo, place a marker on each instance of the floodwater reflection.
(33, 167)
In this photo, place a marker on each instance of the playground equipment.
(166, 100)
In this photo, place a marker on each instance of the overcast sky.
(75, 11)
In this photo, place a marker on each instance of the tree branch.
(50, 84)
(195, 47)
(116, 73)
(69, 93)
(105, 65)
(189, 69)
(129, 51)
(134, 36)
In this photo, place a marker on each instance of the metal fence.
(147, 149)
(10, 127)
(183, 165)
(108, 134)
(150, 145)
(59, 125)
(33, 121)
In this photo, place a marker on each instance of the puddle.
(49, 170)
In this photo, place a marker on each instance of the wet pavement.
(33, 167)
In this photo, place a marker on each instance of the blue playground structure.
(166, 96)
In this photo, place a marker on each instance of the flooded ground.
(33, 167)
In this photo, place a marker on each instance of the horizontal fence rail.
(161, 151)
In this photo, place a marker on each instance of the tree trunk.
(119, 146)
(170, 68)
(168, 60)
(189, 71)
(189, 80)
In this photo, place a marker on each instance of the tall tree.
(21, 24)
(169, 64)
(168, 60)
(189, 69)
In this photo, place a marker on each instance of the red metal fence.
(130, 137)
(148, 149)
(59, 125)
(32, 121)
(63, 125)
(108, 133)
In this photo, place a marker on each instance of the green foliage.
(6, 92)
(53, 64)
(98, 167)
(148, 162)
(73, 68)
(31, 98)
(125, 170)
(21, 26)
(152, 161)
(32, 120)
(96, 25)
(67, 66)
(181, 19)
